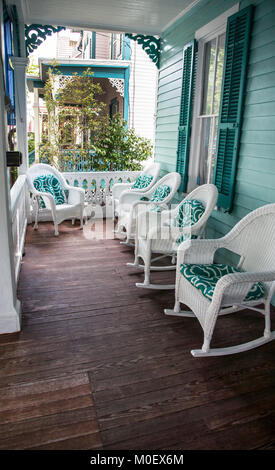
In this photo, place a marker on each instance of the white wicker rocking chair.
(72, 208)
(129, 201)
(157, 234)
(253, 239)
(152, 169)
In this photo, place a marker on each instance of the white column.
(20, 86)
(20, 66)
(9, 305)
(36, 124)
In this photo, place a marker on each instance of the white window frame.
(202, 35)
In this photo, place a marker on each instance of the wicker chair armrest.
(137, 204)
(129, 197)
(236, 286)
(245, 278)
(199, 251)
(48, 196)
(76, 195)
(119, 188)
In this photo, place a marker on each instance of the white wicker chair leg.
(127, 243)
(206, 345)
(81, 219)
(113, 209)
(56, 232)
(119, 230)
(179, 313)
(36, 212)
(135, 264)
(267, 330)
(73, 221)
(146, 278)
(147, 284)
(147, 263)
(128, 237)
(36, 220)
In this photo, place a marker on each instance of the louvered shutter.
(233, 88)
(189, 54)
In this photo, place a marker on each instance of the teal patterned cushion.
(50, 184)
(188, 214)
(142, 181)
(160, 193)
(205, 277)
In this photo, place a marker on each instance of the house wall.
(255, 177)
(66, 45)
(102, 45)
(142, 92)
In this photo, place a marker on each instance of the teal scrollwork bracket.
(35, 34)
(150, 44)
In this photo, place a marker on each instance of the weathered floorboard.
(98, 365)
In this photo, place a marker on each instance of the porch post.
(20, 66)
(126, 94)
(36, 124)
(9, 305)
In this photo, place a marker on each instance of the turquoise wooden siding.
(255, 175)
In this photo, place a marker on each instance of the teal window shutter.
(188, 73)
(232, 98)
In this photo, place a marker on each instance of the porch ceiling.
(142, 16)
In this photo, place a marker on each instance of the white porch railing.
(98, 184)
(19, 220)
(98, 189)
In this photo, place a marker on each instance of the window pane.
(208, 148)
(219, 73)
(212, 148)
(210, 52)
(205, 135)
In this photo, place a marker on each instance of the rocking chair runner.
(61, 208)
(211, 290)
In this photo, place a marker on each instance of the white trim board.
(214, 26)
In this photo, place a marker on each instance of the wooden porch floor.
(99, 366)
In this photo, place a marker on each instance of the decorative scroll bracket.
(118, 83)
(150, 44)
(35, 34)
